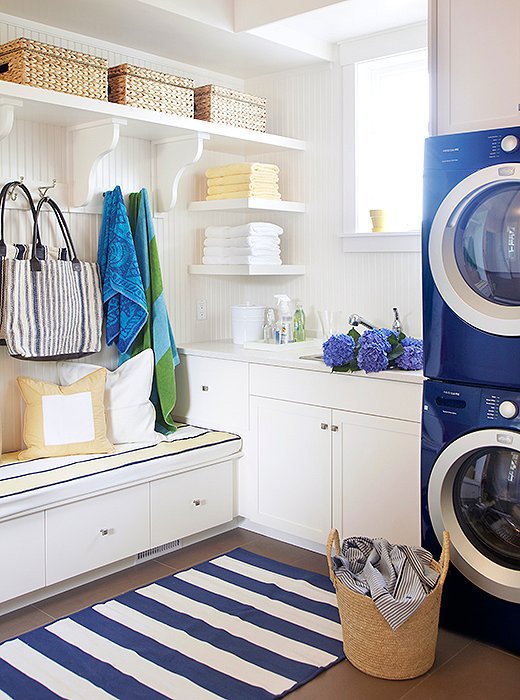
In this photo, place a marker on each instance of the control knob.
(509, 143)
(508, 409)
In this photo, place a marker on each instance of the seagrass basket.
(150, 89)
(371, 645)
(34, 63)
(224, 106)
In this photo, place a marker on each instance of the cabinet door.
(22, 553)
(478, 64)
(377, 472)
(293, 467)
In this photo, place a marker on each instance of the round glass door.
(487, 244)
(486, 499)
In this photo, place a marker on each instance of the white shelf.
(385, 242)
(246, 270)
(247, 204)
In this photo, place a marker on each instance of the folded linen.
(257, 242)
(263, 187)
(240, 168)
(244, 178)
(244, 195)
(242, 260)
(224, 252)
(254, 228)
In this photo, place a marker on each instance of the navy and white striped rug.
(240, 627)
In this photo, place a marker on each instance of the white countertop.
(227, 350)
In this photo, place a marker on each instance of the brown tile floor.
(464, 669)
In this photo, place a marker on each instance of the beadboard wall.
(303, 104)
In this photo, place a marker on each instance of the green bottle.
(299, 323)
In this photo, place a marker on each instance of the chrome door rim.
(491, 577)
(458, 295)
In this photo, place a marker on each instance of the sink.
(315, 358)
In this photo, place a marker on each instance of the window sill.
(385, 242)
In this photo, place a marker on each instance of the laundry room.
(259, 349)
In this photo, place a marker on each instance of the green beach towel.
(156, 333)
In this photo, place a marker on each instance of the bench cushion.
(36, 484)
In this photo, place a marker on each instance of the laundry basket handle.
(332, 538)
(444, 559)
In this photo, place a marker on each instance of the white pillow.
(129, 412)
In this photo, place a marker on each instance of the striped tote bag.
(51, 308)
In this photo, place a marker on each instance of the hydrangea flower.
(338, 350)
(373, 347)
(412, 357)
(388, 331)
(375, 338)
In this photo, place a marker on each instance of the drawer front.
(212, 393)
(88, 534)
(377, 397)
(185, 504)
(22, 553)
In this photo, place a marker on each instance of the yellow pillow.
(64, 420)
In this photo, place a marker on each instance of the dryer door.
(474, 249)
(474, 493)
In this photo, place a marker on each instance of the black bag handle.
(36, 265)
(14, 184)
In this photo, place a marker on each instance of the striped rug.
(240, 627)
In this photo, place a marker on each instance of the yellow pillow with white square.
(64, 420)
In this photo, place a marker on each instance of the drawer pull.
(197, 502)
(104, 531)
(205, 387)
(324, 426)
(334, 428)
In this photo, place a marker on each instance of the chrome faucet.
(396, 325)
(357, 320)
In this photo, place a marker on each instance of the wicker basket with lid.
(224, 106)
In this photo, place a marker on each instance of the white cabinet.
(22, 553)
(476, 64)
(293, 467)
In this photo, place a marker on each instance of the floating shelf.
(386, 242)
(246, 270)
(247, 204)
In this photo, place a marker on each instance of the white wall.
(304, 104)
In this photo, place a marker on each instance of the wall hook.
(11, 193)
(43, 190)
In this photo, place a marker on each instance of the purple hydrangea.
(412, 357)
(338, 350)
(375, 338)
(373, 347)
(387, 332)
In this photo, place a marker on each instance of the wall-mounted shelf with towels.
(95, 127)
(249, 204)
(246, 270)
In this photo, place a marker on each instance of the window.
(391, 123)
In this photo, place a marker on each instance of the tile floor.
(464, 668)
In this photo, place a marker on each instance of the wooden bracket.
(172, 157)
(7, 107)
(89, 143)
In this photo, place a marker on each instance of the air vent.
(156, 551)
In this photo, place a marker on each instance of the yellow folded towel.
(240, 168)
(263, 187)
(244, 195)
(243, 179)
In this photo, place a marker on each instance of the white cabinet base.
(22, 549)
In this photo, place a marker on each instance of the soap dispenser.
(286, 321)
(299, 323)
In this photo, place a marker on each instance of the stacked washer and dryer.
(470, 461)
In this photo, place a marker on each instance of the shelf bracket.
(89, 143)
(7, 107)
(172, 157)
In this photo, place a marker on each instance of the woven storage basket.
(371, 645)
(150, 89)
(50, 67)
(224, 106)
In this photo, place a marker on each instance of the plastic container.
(299, 323)
(247, 323)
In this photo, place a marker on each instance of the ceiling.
(243, 38)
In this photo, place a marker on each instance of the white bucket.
(247, 323)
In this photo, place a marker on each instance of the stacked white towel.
(257, 243)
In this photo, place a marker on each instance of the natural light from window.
(391, 125)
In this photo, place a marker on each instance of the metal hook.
(43, 190)
(11, 194)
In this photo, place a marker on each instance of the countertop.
(227, 350)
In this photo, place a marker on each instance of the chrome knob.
(509, 143)
(508, 409)
(104, 531)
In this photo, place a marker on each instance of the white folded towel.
(242, 260)
(256, 228)
(256, 242)
(223, 252)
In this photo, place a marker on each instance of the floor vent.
(156, 551)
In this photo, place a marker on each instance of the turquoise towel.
(123, 292)
(157, 333)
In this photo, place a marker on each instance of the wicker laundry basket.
(33, 63)
(371, 645)
(224, 106)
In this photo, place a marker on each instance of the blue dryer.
(471, 258)
(470, 486)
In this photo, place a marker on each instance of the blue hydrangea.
(388, 331)
(412, 357)
(374, 338)
(338, 350)
(373, 347)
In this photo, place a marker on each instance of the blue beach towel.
(123, 292)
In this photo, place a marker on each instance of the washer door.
(474, 493)
(474, 249)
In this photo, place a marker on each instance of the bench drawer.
(185, 504)
(87, 534)
(22, 553)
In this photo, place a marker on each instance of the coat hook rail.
(11, 193)
(43, 190)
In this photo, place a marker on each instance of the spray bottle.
(286, 320)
